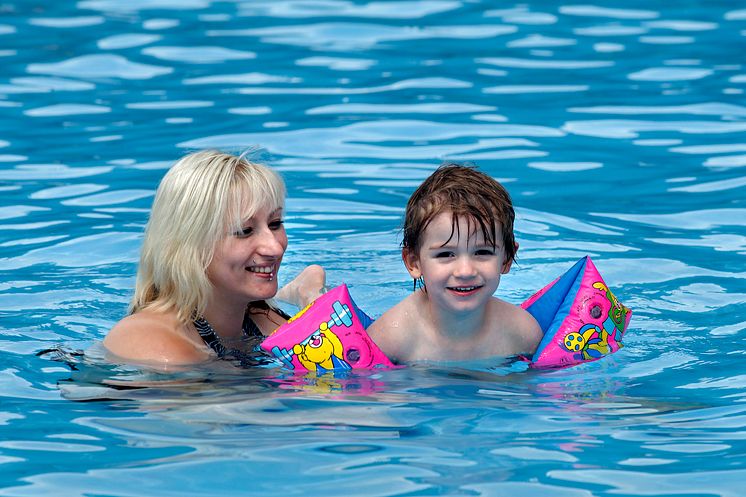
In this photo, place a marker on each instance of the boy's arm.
(379, 333)
(529, 332)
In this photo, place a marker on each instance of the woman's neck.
(226, 318)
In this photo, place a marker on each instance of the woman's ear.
(412, 262)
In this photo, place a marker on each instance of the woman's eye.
(276, 225)
(245, 232)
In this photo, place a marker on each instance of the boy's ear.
(412, 262)
(508, 264)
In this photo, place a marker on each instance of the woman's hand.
(304, 288)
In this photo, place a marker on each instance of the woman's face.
(245, 264)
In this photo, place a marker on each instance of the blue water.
(619, 128)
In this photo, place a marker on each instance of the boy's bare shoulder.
(520, 327)
(394, 330)
(153, 338)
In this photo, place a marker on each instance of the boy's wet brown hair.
(465, 192)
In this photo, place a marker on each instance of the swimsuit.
(250, 333)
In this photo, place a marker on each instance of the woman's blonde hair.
(203, 198)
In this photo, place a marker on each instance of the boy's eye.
(440, 255)
(485, 252)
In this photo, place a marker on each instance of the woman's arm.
(305, 288)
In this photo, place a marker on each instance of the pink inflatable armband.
(580, 317)
(325, 336)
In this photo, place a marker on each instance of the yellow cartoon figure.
(619, 311)
(590, 341)
(322, 351)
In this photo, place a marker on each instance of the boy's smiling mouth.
(464, 290)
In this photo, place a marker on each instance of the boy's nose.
(464, 267)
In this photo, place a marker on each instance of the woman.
(208, 265)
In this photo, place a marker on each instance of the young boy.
(458, 241)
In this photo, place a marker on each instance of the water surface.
(618, 128)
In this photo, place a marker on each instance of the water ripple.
(422, 108)
(614, 13)
(299, 9)
(67, 191)
(704, 109)
(118, 42)
(705, 220)
(197, 55)
(543, 64)
(337, 63)
(359, 36)
(717, 186)
(67, 22)
(368, 139)
(418, 83)
(99, 66)
(722, 483)
(682, 25)
(67, 110)
(520, 89)
(140, 5)
(253, 78)
(521, 15)
(85, 251)
(718, 242)
(669, 74)
(16, 211)
(53, 84)
(51, 172)
(736, 15)
(611, 30)
(620, 128)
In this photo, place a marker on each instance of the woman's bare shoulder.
(154, 337)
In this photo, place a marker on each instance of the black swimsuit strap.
(249, 331)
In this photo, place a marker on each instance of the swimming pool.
(619, 130)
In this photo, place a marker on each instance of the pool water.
(619, 129)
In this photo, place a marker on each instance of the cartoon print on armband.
(618, 311)
(323, 351)
(590, 342)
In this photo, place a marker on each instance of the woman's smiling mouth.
(263, 271)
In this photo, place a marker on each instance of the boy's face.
(461, 271)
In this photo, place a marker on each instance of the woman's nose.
(271, 243)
